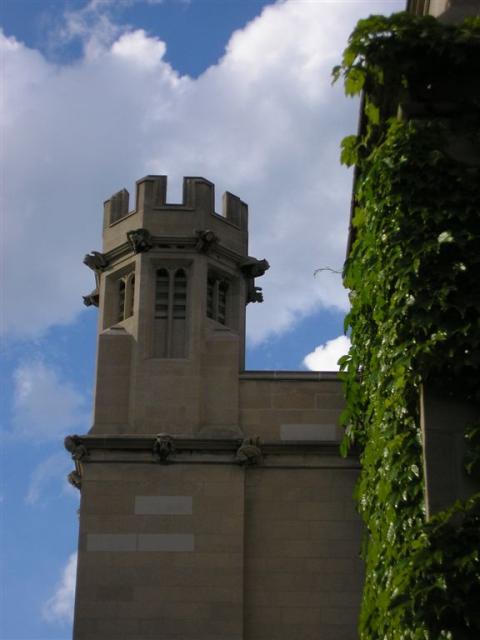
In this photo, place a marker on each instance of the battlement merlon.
(195, 212)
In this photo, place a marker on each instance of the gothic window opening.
(170, 313)
(121, 300)
(210, 297)
(125, 298)
(217, 298)
(222, 302)
(162, 294)
(180, 295)
(129, 295)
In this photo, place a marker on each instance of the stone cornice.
(166, 449)
(185, 444)
(125, 250)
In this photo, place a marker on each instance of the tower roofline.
(197, 192)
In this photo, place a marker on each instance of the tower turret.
(173, 281)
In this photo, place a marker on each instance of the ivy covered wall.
(413, 271)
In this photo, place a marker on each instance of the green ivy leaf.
(372, 112)
(354, 81)
(349, 153)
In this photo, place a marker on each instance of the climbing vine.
(413, 274)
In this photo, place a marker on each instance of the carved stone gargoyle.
(251, 269)
(140, 240)
(97, 262)
(78, 451)
(206, 240)
(249, 452)
(163, 447)
(75, 479)
(92, 299)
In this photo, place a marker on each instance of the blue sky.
(98, 94)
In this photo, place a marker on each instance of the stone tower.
(214, 503)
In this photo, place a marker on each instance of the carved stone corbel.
(251, 269)
(249, 453)
(206, 240)
(140, 240)
(163, 447)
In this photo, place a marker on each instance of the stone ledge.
(234, 452)
(184, 444)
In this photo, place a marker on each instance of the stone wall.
(291, 406)
(302, 568)
(218, 552)
(160, 553)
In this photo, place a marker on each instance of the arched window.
(125, 297)
(162, 302)
(129, 295)
(217, 298)
(180, 295)
(162, 286)
(170, 313)
(222, 302)
(210, 297)
(121, 300)
(179, 314)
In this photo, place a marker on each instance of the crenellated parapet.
(153, 212)
(116, 207)
(181, 234)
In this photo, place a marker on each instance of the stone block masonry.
(214, 502)
(275, 544)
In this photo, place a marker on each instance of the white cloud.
(59, 608)
(94, 23)
(50, 476)
(325, 357)
(45, 405)
(264, 123)
(138, 48)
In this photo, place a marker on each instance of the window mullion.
(121, 299)
(215, 301)
(171, 285)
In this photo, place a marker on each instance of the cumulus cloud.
(45, 405)
(264, 123)
(59, 608)
(325, 356)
